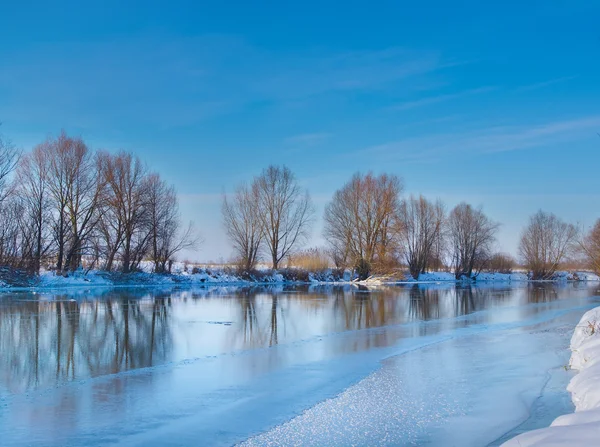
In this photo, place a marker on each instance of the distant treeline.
(62, 203)
(371, 228)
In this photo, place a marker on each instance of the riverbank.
(11, 279)
(581, 428)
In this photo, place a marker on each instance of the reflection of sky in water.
(222, 364)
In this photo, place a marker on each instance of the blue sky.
(497, 105)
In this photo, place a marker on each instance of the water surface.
(308, 365)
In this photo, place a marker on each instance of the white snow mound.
(581, 428)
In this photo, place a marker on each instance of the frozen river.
(325, 366)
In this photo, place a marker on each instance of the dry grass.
(312, 259)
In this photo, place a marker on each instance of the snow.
(583, 426)
(502, 277)
(184, 274)
(583, 276)
(481, 277)
(436, 276)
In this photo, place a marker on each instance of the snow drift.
(581, 428)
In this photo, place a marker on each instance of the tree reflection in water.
(48, 340)
(43, 343)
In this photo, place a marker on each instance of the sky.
(492, 103)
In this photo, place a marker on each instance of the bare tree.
(243, 225)
(32, 187)
(75, 185)
(590, 246)
(420, 228)
(545, 242)
(167, 238)
(11, 211)
(9, 158)
(127, 183)
(471, 235)
(360, 219)
(285, 211)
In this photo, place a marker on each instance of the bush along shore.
(583, 426)
(185, 275)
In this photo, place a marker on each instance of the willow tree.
(471, 236)
(360, 219)
(420, 228)
(545, 242)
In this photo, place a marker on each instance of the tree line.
(63, 205)
(371, 228)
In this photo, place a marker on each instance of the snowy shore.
(184, 276)
(581, 428)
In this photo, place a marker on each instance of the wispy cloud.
(309, 75)
(173, 81)
(485, 140)
(543, 84)
(307, 139)
(441, 98)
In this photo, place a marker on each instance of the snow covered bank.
(508, 277)
(186, 275)
(581, 428)
(481, 277)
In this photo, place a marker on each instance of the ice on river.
(404, 366)
(464, 391)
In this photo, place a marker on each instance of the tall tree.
(545, 242)
(76, 185)
(420, 228)
(285, 211)
(243, 225)
(471, 235)
(167, 237)
(360, 219)
(590, 245)
(127, 183)
(32, 187)
(9, 158)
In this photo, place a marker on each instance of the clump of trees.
(68, 203)
(420, 226)
(544, 244)
(360, 221)
(63, 205)
(272, 214)
(471, 238)
(371, 229)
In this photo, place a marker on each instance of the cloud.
(306, 76)
(441, 98)
(173, 81)
(307, 139)
(545, 83)
(487, 140)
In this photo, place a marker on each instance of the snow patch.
(583, 426)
